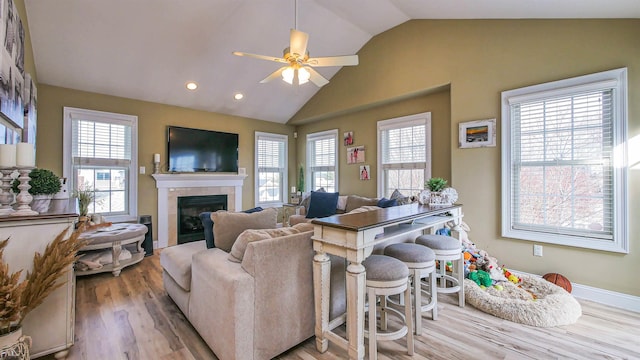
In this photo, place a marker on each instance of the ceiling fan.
(299, 69)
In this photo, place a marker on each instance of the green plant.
(301, 179)
(85, 196)
(43, 182)
(435, 184)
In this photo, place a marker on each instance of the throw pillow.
(322, 204)
(307, 198)
(355, 201)
(251, 235)
(228, 225)
(402, 200)
(384, 202)
(207, 224)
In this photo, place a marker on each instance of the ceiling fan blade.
(261, 57)
(274, 75)
(316, 78)
(347, 60)
(298, 42)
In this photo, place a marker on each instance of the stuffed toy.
(481, 278)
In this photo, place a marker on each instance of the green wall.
(479, 59)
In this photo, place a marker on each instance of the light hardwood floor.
(132, 317)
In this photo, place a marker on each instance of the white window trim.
(616, 79)
(404, 121)
(285, 184)
(67, 163)
(317, 136)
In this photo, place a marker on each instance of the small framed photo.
(365, 172)
(479, 133)
(355, 154)
(348, 138)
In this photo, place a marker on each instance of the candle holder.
(6, 196)
(24, 198)
(156, 167)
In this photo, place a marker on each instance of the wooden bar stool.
(447, 248)
(387, 276)
(421, 262)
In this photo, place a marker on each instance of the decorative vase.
(40, 203)
(14, 345)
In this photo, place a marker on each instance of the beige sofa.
(256, 308)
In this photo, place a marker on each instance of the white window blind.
(101, 148)
(564, 185)
(321, 160)
(271, 169)
(404, 154)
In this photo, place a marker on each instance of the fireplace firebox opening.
(189, 208)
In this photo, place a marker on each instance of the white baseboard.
(602, 296)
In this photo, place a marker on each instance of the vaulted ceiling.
(149, 49)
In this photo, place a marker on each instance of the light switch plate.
(143, 170)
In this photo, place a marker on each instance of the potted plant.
(435, 184)
(85, 195)
(434, 195)
(18, 298)
(44, 184)
(301, 179)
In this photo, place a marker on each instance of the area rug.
(534, 301)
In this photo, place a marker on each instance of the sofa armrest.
(283, 272)
(221, 307)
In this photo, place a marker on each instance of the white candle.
(7, 155)
(156, 158)
(25, 155)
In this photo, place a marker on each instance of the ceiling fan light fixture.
(289, 73)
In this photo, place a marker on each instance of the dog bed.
(534, 301)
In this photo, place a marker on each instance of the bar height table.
(353, 237)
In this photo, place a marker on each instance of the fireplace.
(189, 208)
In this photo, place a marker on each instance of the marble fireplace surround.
(172, 186)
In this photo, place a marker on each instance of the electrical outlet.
(537, 250)
(143, 170)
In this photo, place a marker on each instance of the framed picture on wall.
(11, 64)
(479, 133)
(355, 154)
(348, 138)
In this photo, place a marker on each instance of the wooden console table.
(353, 237)
(51, 324)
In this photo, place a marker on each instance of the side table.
(114, 238)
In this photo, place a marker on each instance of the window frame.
(283, 170)
(400, 122)
(312, 137)
(106, 117)
(613, 79)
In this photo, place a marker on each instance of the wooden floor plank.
(132, 317)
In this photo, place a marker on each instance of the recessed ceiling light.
(238, 96)
(192, 85)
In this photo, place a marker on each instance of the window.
(322, 171)
(563, 162)
(271, 169)
(404, 154)
(100, 153)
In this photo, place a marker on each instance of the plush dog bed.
(534, 301)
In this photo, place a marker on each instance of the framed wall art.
(348, 138)
(479, 133)
(355, 154)
(11, 64)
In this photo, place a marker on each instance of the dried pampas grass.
(17, 299)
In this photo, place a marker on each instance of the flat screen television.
(195, 150)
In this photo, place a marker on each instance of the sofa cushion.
(207, 224)
(228, 225)
(384, 202)
(322, 204)
(355, 201)
(176, 261)
(247, 236)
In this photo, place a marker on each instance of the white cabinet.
(50, 325)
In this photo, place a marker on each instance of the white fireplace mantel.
(169, 183)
